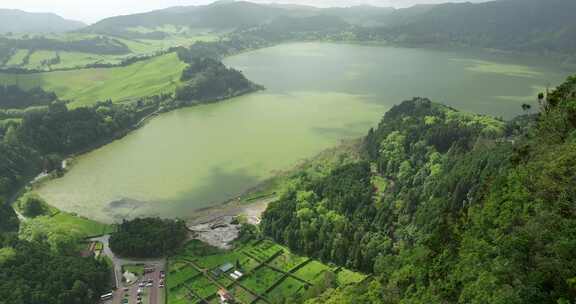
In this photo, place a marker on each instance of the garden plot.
(253, 272)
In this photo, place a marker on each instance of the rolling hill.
(17, 21)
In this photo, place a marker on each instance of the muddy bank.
(216, 225)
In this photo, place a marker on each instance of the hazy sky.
(92, 11)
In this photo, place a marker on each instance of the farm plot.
(254, 272)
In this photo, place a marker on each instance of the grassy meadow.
(86, 86)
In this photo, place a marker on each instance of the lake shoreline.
(217, 151)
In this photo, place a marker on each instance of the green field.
(17, 58)
(62, 224)
(270, 271)
(87, 86)
(38, 58)
(175, 36)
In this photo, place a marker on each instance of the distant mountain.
(527, 25)
(217, 16)
(229, 15)
(536, 26)
(17, 21)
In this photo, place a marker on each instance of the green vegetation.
(441, 206)
(32, 272)
(137, 270)
(263, 264)
(13, 97)
(87, 86)
(32, 206)
(148, 237)
(207, 79)
(438, 193)
(61, 231)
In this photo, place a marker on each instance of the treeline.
(97, 45)
(335, 217)
(32, 273)
(148, 237)
(41, 137)
(207, 79)
(446, 207)
(14, 97)
(32, 138)
(506, 25)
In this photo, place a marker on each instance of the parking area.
(144, 286)
(147, 289)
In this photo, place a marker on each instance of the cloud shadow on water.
(220, 186)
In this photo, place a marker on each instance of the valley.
(249, 153)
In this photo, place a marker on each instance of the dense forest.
(507, 24)
(33, 273)
(13, 97)
(148, 237)
(206, 79)
(446, 207)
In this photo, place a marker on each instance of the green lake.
(317, 94)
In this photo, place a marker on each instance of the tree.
(148, 237)
(32, 206)
(526, 107)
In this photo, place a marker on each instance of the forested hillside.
(529, 26)
(543, 26)
(446, 207)
(31, 272)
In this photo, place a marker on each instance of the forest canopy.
(436, 194)
(148, 237)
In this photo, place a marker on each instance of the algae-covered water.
(317, 94)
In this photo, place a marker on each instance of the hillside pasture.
(87, 86)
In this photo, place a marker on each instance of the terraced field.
(271, 273)
(86, 86)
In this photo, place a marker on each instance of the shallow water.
(317, 94)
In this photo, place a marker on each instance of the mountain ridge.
(19, 21)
